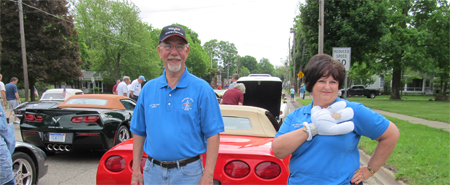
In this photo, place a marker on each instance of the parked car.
(245, 152)
(29, 163)
(360, 90)
(49, 99)
(265, 91)
(220, 92)
(92, 121)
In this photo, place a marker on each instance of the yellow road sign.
(300, 74)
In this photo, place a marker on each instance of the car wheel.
(371, 95)
(24, 169)
(123, 133)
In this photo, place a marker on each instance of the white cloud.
(259, 28)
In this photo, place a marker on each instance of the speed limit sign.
(343, 55)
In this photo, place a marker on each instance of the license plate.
(57, 137)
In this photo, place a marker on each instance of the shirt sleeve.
(211, 117)
(137, 124)
(368, 122)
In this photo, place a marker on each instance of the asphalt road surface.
(77, 168)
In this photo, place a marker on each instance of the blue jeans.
(189, 174)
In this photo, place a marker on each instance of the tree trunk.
(396, 79)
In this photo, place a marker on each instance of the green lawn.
(416, 106)
(422, 154)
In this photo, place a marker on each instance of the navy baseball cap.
(170, 31)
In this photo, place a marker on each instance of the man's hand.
(136, 178)
(326, 119)
(206, 180)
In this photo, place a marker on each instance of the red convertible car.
(245, 152)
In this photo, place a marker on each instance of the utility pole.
(321, 25)
(24, 53)
(293, 56)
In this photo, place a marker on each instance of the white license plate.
(57, 137)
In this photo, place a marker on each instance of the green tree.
(52, 51)
(119, 42)
(249, 62)
(265, 67)
(228, 57)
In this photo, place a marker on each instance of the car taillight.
(268, 170)
(115, 163)
(32, 117)
(77, 119)
(29, 117)
(237, 169)
(91, 119)
(39, 118)
(281, 112)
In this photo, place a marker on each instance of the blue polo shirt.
(176, 122)
(330, 159)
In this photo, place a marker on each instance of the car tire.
(371, 95)
(24, 169)
(123, 133)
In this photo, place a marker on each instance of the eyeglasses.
(170, 47)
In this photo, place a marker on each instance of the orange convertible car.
(245, 152)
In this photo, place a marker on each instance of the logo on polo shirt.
(187, 103)
(297, 125)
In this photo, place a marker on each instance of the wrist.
(310, 129)
(371, 170)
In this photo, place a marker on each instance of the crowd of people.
(128, 88)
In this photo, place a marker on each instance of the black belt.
(173, 164)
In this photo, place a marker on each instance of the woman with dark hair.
(324, 150)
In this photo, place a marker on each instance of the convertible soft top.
(113, 101)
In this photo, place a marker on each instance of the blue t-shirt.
(11, 89)
(302, 89)
(176, 122)
(292, 91)
(330, 159)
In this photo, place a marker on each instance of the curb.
(383, 174)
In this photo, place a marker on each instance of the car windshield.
(50, 96)
(87, 101)
(237, 123)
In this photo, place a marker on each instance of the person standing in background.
(114, 90)
(234, 96)
(292, 91)
(135, 88)
(12, 96)
(122, 88)
(234, 78)
(302, 91)
(2, 92)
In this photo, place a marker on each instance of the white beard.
(174, 68)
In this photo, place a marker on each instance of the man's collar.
(182, 83)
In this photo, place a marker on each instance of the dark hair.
(323, 65)
(13, 79)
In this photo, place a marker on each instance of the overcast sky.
(259, 28)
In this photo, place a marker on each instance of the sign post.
(343, 55)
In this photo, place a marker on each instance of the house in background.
(417, 86)
(89, 80)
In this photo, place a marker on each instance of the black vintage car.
(93, 122)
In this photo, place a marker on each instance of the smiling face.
(174, 60)
(325, 91)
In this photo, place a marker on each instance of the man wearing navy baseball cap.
(175, 104)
